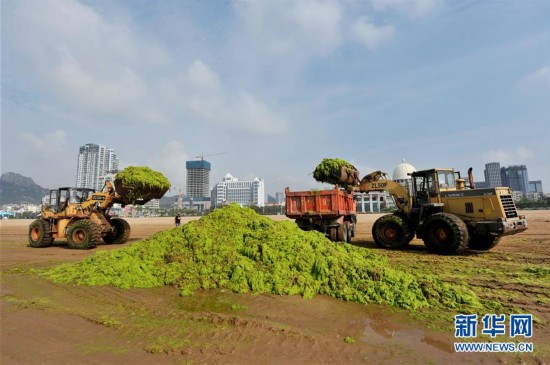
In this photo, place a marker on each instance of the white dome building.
(402, 171)
(375, 201)
(401, 174)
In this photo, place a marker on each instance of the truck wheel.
(445, 234)
(40, 234)
(349, 228)
(83, 234)
(343, 232)
(120, 232)
(333, 234)
(390, 231)
(482, 243)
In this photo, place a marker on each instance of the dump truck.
(332, 212)
(438, 208)
(81, 215)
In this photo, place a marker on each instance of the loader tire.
(83, 234)
(445, 234)
(40, 234)
(120, 232)
(482, 243)
(391, 231)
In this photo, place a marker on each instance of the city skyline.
(277, 85)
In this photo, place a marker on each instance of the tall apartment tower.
(516, 178)
(198, 179)
(492, 174)
(94, 161)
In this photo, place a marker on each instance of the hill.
(18, 189)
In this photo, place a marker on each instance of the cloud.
(536, 81)
(170, 160)
(99, 68)
(82, 61)
(50, 145)
(202, 78)
(369, 34)
(509, 157)
(414, 9)
(524, 153)
(95, 92)
(47, 158)
(200, 93)
(284, 27)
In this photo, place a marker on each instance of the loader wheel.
(390, 231)
(83, 235)
(120, 232)
(40, 234)
(482, 243)
(343, 232)
(445, 234)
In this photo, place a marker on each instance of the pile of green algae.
(235, 248)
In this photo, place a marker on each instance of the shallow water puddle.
(379, 332)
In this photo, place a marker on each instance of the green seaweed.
(329, 170)
(235, 248)
(140, 183)
(349, 340)
(144, 176)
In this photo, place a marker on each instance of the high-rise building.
(535, 186)
(94, 161)
(515, 177)
(245, 193)
(493, 175)
(198, 179)
(481, 184)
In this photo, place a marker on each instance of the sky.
(271, 87)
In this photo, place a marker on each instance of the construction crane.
(213, 154)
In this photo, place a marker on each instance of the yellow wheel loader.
(437, 207)
(81, 216)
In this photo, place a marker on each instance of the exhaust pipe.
(471, 178)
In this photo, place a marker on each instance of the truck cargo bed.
(319, 203)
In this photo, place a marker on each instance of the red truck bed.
(321, 203)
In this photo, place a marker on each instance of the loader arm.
(379, 181)
(102, 200)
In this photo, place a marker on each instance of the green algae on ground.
(237, 249)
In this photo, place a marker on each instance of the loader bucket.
(336, 171)
(138, 194)
(344, 176)
(138, 185)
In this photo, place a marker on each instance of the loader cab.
(427, 185)
(60, 198)
(424, 184)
